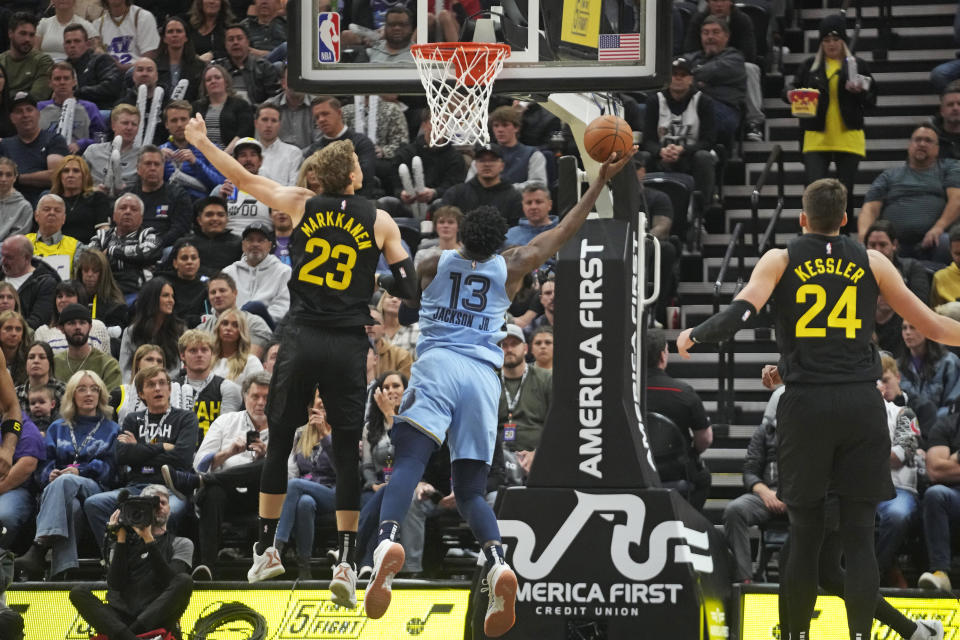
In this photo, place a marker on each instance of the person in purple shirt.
(17, 489)
(88, 124)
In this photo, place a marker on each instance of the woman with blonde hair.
(15, 337)
(106, 300)
(308, 175)
(231, 347)
(86, 208)
(125, 399)
(80, 463)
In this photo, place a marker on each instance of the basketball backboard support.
(557, 45)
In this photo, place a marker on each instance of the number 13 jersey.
(334, 254)
(825, 305)
(463, 308)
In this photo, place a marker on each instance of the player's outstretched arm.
(931, 324)
(272, 194)
(523, 260)
(722, 326)
(402, 281)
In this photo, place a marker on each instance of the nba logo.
(328, 37)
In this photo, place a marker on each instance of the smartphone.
(252, 436)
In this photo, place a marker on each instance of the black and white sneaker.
(754, 132)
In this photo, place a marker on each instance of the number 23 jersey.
(334, 254)
(825, 305)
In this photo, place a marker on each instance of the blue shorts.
(457, 397)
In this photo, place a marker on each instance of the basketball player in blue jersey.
(336, 242)
(454, 388)
(831, 420)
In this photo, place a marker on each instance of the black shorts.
(833, 438)
(332, 360)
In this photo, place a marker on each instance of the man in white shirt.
(281, 161)
(231, 455)
(243, 208)
(126, 33)
(124, 121)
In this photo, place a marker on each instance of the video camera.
(139, 511)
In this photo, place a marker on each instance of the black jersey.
(825, 304)
(334, 255)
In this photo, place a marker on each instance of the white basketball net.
(458, 80)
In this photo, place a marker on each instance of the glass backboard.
(556, 45)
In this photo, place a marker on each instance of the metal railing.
(725, 350)
(776, 155)
(858, 11)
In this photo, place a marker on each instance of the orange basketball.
(605, 135)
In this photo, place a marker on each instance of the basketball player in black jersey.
(831, 421)
(336, 242)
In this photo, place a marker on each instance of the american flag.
(619, 46)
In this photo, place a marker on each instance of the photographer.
(148, 440)
(147, 582)
(231, 459)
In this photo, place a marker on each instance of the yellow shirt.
(946, 285)
(835, 135)
(59, 256)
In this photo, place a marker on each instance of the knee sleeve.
(346, 460)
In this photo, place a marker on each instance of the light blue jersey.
(464, 307)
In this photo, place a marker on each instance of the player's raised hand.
(684, 342)
(196, 130)
(615, 163)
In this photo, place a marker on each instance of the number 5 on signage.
(328, 37)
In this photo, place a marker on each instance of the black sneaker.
(754, 132)
(201, 573)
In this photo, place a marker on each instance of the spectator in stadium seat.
(925, 410)
(944, 74)
(50, 29)
(131, 248)
(522, 164)
(443, 166)
(75, 322)
(267, 29)
(760, 503)
(231, 348)
(836, 133)
(98, 77)
(125, 399)
(6, 125)
(385, 124)
(282, 229)
(311, 489)
(185, 165)
(218, 247)
(537, 206)
(403, 336)
(254, 79)
(896, 516)
(208, 394)
(153, 323)
(18, 494)
(679, 130)
(16, 214)
(40, 376)
(37, 152)
(88, 124)
(9, 300)
(487, 187)
(446, 223)
(296, 116)
(27, 68)
(126, 32)
(269, 357)
(548, 287)
(397, 37)
(79, 463)
(144, 73)
(281, 161)
(720, 72)
(167, 207)
(124, 122)
(941, 500)
(14, 338)
(921, 198)
(189, 288)
(177, 60)
(678, 401)
(222, 294)
(541, 347)
(228, 115)
(87, 208)
(161, 435)
(235, 459)
(208, 23)
(383, 403)
(929, 370)
(34, 279)
(71, 292)
(525, 398)
(947, 122)
(260, 276)
(49, 242)
(946, 281)
(106, 301)
(389, 356)
(882, 236)
(328, 118)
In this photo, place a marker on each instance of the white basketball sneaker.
(266, 565)
(344, 586)
(928, 630)
(502, 586)
(388, 560)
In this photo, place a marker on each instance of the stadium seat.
(670, 452)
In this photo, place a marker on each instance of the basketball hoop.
(458, 79)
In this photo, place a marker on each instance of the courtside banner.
(760, 619)
(286, 614)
